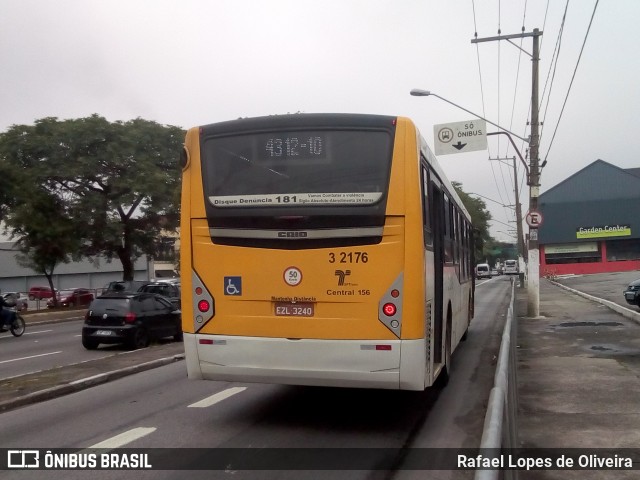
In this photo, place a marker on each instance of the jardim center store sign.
(606, 231)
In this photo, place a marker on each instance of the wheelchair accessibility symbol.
(233, 285)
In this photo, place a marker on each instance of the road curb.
(625, 312)
(84, 383)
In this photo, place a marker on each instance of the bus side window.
(455, 222)
(448, 253)
(426, 208)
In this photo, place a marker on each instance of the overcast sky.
(192, 62)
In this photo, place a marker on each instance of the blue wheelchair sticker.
(233, 285)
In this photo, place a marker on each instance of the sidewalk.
(578, 378)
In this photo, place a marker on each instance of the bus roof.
(298, 120)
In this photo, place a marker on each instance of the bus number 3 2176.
(349, 257)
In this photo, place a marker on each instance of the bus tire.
(445, 374)
(469, 316)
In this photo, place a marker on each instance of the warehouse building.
(591, 222)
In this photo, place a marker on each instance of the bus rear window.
(303, 168)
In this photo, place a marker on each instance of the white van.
(511, 267)
(483, 270)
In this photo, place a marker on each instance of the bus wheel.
(443, 378)
(466, 332)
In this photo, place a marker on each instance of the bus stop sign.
(460, 137)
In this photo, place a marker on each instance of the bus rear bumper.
(330, 363)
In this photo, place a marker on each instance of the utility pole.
(533, 280)
(533, 265)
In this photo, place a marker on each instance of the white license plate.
(287, 309)
(104, 333)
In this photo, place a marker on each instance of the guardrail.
(500, 422)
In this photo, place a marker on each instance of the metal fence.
(500, 422)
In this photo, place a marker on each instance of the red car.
(38, 293)
(74, 297)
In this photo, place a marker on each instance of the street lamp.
(418, 92)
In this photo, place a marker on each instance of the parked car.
(18, 300)
(128, 286)
(39, 293)
(171, 291)
(174, 280)
(632, 293)
(74, 297)
(130, 318)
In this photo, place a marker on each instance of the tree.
(46, 235)
(116, 181)
(480, 218)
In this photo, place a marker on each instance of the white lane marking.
(27, 358)
(125, 437)
(9, 335)
(218, 397)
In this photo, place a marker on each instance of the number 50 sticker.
(292, 276)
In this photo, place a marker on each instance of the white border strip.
(218, 397)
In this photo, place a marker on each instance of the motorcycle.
(18, 325)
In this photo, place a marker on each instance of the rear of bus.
(297, 263)
(511, 267)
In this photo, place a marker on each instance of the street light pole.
(418, 92)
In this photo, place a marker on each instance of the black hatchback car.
(632, 293)
(130, 318)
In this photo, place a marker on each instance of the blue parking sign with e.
(233, 285)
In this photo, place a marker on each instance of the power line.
(484, 113)
(553, 67)
(572, 79)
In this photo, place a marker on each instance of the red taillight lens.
(389, 309)
(130, 317)
(203, 306)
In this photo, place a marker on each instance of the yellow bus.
(321, 249)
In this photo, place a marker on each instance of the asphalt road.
(52, 345)
(608, 286)
(162, 408)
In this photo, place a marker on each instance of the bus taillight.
(389, 309)
(203, 306)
